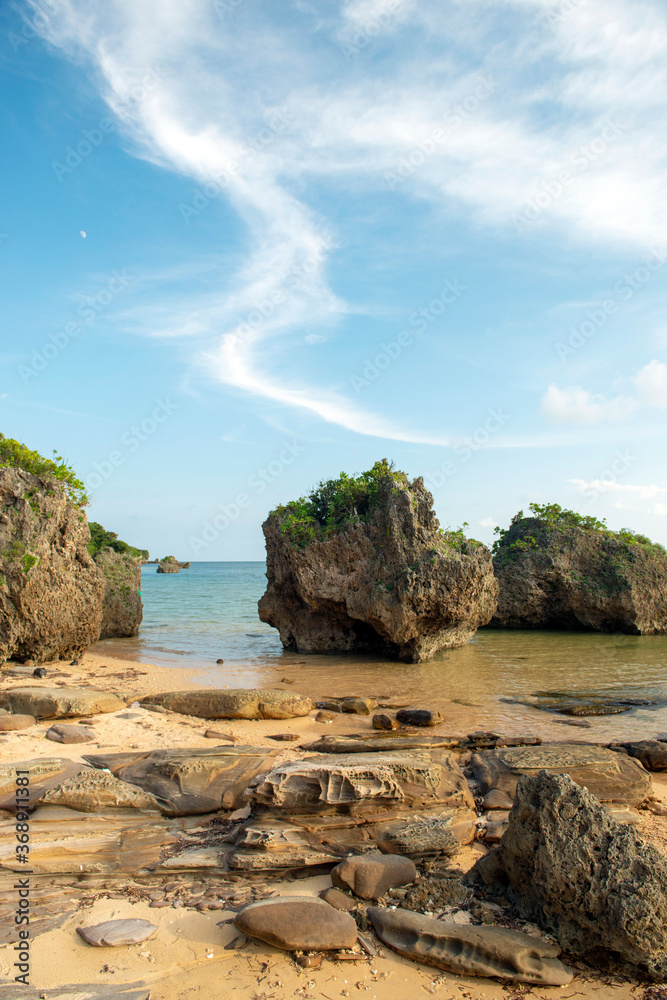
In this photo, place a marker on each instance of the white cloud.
(488, 522)
(631, 491)
(314, 338)
(221, 81)
(661, 509)
(574, 405)
(651, 383)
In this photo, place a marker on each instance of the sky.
(247, 244)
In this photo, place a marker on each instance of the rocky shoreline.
(151, 857)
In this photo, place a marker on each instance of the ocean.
(209, 612)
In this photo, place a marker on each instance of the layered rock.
(232, 703)
(51, 591)
(386, 581)
(122, 610)
(593, 883)
(576, 578)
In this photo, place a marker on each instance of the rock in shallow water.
(388, 583)
(418, 717)
(372, 875)
(112, 933)
(470, 951)
(594, 883)
(298, 923)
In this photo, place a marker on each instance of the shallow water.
(210, 611)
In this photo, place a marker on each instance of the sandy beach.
(193, 953)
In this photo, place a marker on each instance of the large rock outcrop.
(51, 591)
(575, 578)
(566, 864)
(385, 580)
(122, 610)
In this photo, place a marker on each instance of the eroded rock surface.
(470, 951)
(122, 610)
(188, 782)
(573, 578)
(60, 703)
(390, 582)
(94, 791)
(298, 922)
(50, 589)
(611, 777)
(113, 933)
(594, 883)
(251, 703)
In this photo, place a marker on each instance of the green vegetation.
(102, 539)
(15, 455)
(28, 562)
(336, 503)
(552, 518)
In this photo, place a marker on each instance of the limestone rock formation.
(383, 578)
(569, 577)
(50, 589)
(594, 883)
(470, 951)
(232, 703)
(60, 703)
(170, 564)
(122, 610)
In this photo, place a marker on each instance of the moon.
(82, 233)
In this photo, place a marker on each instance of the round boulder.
(298, 923)
(370, 876)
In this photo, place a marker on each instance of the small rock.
(309, 961)
(213, 734)
(298, 923)
(495, 831)
(112, 933)
(9, 723)
(69, 734)
(155, 708)
(359, 706)
(39, 672)
(497, 799)
(370, 876)
(329, 706)
(339, 900)
(418, 717)
(385, 722)
(219, 661)
(579, 723)
(286, 680)
(284, 737)
(326, 717)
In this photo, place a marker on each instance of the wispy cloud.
(556, 83)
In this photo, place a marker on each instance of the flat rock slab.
(268, 842)
(95, 791)
(113, 933)
(651, 753)
(611, 777)
(379, 741)
(10, 723)
(363, 782)
(582, 703)
(470, 951)
(190, 781)
(69, 734)
(61, 703)
(298, 923)
(233, 704)
(371, 876)
(42, 773)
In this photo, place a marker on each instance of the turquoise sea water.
(209, 611)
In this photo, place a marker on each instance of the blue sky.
(321, 233)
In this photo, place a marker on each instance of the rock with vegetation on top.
(123, 609)
(170, 564)
(361, 564)
(559, 569)
(50, 589)
(567, 865)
